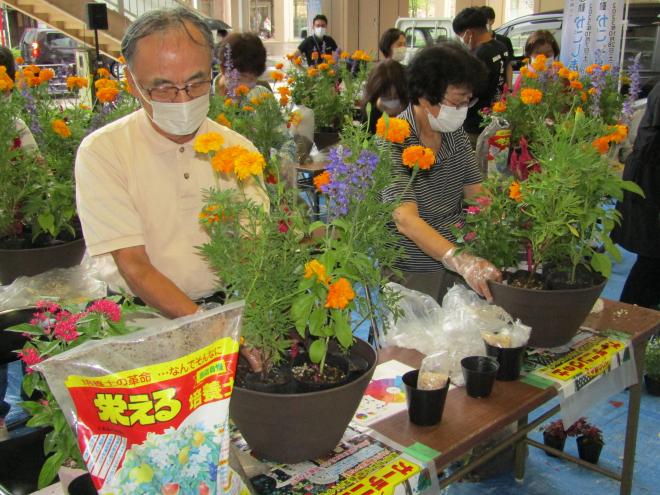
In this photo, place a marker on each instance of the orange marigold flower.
(249, 163)
(242, 90)
(531, 96)
(323, 66)
(33, 82)
(557, 64)
(33, 68)
(573, 75)
(592, 91)
(20, 60)
(222, 120)
(605, 67)
(277, 75)
(331, 73)
(60, 128)
(46, 74)
(361, 55)
(583, 96)
(73, 82)
(420, 156)
(107, 95)
(279, 66)
(514, 192)
(6, 84)
(295, 119)
(122, 60)
(291, 80)
(297, 61)
(395, 130)
(601, 144)
(316, 269)
(590, 69)
(321, 180)
(576, 85)
(311, 72)
(284, 100)
(315, 55)
(539, 63)
(223, 160)
(344, 55)
(328, 57)
(106, 83)
(248, 108)
(620, 133)
(499, 107)
(564, 72)
(229, 102)
(103, 73)
(284, 91)
(207, 142)
(339, 294)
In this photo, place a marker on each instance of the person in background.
(386, 91)
(242, 59)
(392, 44)
(490, 16)
(470, 26)
(639, 230)
(139, 182)
(441, 81)
(318, 43)
(540, 42)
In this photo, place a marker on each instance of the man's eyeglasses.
(469, 104)
(169, 92)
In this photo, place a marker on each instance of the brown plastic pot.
(554, 315)
(290, 428)
(17, 262)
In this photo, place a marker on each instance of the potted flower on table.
(551, 208)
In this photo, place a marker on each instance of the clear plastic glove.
(475, 270)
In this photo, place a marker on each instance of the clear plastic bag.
(493, 147)
(150, 409)
(434, 372)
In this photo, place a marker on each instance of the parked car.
(423, 32)
(48, 46)
(642, 36)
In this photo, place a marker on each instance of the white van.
(424, 32)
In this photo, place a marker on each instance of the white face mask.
(390, 105)
(319, 32)
(449, 119)
(180, 118)
(398, 53)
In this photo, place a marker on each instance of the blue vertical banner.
(592, 32)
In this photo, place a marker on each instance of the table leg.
(634, 399)
(520, 455)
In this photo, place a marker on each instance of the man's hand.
(150, 285)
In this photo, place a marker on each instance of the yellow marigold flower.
(530, 96)
(20, 60)
(279, 66)
(329, 58)
(207, 142)
(557, 64)
(107, 95)
(315, 55)
(590, 69)
(361, 55)
(514, 192)
(339, 294)
(605, 67)
(73, 82)
(223, 160)
(420, 156)
(46, 74)
(316, 269)
(344, 55)
(573, 75)
(499, 107)
(619, 134)
(601, 144)
(103, 73)
(331, 73)
(84, 107)
(222, 120)
(297, 61)
(396, 130)
(249, 163)
(564, 72)
(291, 80)
(539, 63)
(105, 83)
(323, 66)
(60, 128)
(248, 108)
(26, 73)
(321, 180)
(34, 68)
(6, 84)
(229, 102)
(524, 71)
(576, 85)
(242, 90)
(277, 76)
(311, 72)
(289, 56)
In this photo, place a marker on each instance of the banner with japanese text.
(592, 32)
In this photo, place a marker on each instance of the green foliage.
(652, 358)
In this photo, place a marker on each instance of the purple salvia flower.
(230, 73)
(597, 82)
(31, 107)
(633, 90)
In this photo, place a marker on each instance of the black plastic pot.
(652, 385)
(424, 406)
(589, 449)
(479, 373)
(510, 360)
(82, 485)
(553, 441)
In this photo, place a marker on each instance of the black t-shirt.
(507, 44)
(493, 54)
(313, 44)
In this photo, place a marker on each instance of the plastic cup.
(510, 360)
(479, 373)
(424, 406)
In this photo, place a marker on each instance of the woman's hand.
(475, 270)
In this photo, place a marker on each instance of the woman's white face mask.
(449, 119)
(398, 53)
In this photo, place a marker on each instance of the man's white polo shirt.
(135, 187)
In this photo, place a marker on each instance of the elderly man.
(139, 182)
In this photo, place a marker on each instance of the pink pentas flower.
(66, 330)
(30, 357)
(483, 201)
(473, 210)
(106, 307)
(49, 306)
(283, 227)
(470, 236)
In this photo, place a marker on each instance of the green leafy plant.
(53, 330)
(652, 358)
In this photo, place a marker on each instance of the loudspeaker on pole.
(97, 16)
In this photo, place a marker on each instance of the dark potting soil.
(25, 241)
(554, 279)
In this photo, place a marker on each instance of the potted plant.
(554, 435)
(307, 285)
(589, 440)
(551, 209)
(53, 330)
(652, 366)
(330, 89)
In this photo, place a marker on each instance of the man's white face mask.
(319, 32)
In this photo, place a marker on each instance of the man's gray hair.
(159, 20)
